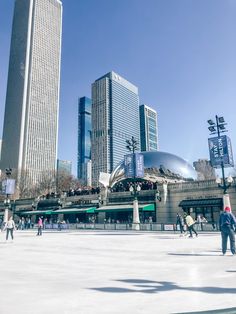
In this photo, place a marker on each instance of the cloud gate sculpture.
(159, 167)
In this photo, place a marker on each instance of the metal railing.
(169, 227)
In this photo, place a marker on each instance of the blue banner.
(220, 150)
(134, 165)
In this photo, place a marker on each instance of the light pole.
(132, 146)
(218, 127)
(225, 184)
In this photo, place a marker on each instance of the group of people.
(227, 225)
(85, 190)
(186, 223)
(125, 186)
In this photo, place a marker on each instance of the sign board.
(220, 151)
(168, 227)
(8, 186)
(134, 165)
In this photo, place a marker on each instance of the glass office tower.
(148, 128)
(115, 118)
(64, 166)
(32, 101)
(84, 141)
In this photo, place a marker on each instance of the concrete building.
(169, 186)
(30, 129)
(84, 141)
(115, 118)
(148, 129)
(204, 169)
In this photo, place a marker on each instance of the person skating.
(40, 226)
(190, 224)
(10, 227)
(227, 223)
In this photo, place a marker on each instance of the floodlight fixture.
(211, 129)
(221, 119)
(222, 126)
(211, 122)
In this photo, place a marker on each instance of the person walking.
(10, 227)
(190, 224)
(40, 226)
(227, 223)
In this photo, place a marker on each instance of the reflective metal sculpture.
(159, 167)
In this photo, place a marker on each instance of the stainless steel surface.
(160, 167)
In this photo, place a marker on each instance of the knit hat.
(227, 209)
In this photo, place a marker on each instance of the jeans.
(9, 230)
(191, 230)
(227, 231)
(39, 231)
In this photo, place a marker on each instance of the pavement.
(114, 272)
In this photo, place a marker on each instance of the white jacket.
(189, 221)
(10, 224)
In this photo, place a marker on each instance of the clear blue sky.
(180, 53)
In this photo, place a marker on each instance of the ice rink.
(88, 272)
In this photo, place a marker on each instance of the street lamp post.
(225, 184)
(132, 146)
(218, 127)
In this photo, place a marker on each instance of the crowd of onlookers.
(125, 186)
(86, 190)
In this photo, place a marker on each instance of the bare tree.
(65, 182)
(47, 182)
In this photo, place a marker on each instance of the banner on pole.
(134, 165)
(8, 186)
(220, 150)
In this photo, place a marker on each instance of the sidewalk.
(89, 272)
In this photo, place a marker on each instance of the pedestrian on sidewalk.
(227, 223)
(40, 226)
(10, 227)
(190, 224)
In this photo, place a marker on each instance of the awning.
(36, 212)
(148, 208)
(207, 202)
(87, 210)
(117, 208)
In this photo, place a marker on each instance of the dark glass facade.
(84, 137)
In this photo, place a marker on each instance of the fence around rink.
(129, 226)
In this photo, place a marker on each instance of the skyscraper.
(84, 141)
(32, 100)
(148, 128)
(64, 166)
(115, 118)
